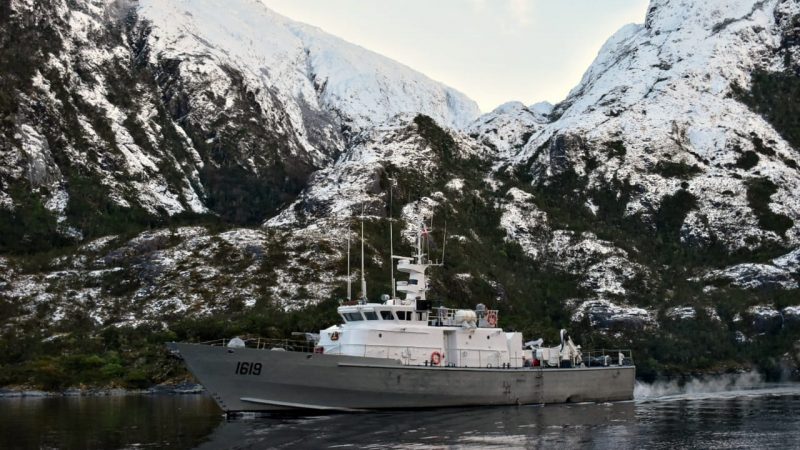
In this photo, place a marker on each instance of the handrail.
(589, 358)
(446, 316)
(266, 343)
(405, 352)
(607, 357)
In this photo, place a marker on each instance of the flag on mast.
(428, 238)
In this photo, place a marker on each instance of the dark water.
(767, 417)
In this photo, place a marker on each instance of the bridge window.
(387, 315)
(370, 315)
(353, 317)
(404, 315)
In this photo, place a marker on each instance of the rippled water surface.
(767, 417)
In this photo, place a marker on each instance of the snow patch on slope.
(664, 91)
(509, 126)
(305, 68)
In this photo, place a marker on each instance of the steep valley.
(170, 171)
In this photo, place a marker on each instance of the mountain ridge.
(160, 186)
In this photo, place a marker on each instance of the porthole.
(380, 335)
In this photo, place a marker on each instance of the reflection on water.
(768, 417)
(164, 421)
(499, 427)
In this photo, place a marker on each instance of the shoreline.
(171, 389)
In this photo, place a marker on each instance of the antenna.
(419, 241)
(363, 281)
(430, 239)
(349, 277)
(444, 239)
(391, 240)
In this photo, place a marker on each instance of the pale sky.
(492, 50)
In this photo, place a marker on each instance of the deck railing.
(417, 354)
(292, 345)
(589, 358)
(447, 317)
(607, 357)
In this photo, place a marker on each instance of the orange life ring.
(335, 336)
(491, 318)
(436, 358)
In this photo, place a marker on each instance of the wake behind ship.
(405, 353)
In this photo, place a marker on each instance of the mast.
(428, 241)
(419, 244)
(444, 240)
(363, 280)
(391, 242)
(415, 266)
(349, 277)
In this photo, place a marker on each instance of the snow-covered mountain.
(166, 105)
(139, 137)
(667, 93)
(310, 72)
(509, 126)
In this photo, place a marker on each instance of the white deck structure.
(409, 330)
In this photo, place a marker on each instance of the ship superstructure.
(403, 352)
(411, 330)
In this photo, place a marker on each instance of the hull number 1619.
(248, 368)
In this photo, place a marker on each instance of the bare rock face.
(609, 316)
(559, 150)
(782, 273)
(673, 97)
(151, 110)
(509, 127)
(765, 319)
(186, 160)
(791, 317)
(752, 276)
(167, 275)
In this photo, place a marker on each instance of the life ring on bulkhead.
(491, 318)
(436, 358)
(335, 336)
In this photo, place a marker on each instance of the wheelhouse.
(372, 312)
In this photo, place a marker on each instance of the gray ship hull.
(244, 379)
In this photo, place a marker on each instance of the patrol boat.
(404, 353)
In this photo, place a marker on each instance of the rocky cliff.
(173, 170)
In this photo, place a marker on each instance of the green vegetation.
(30, 227)
(776, 96)
(135, 357)
(615, 149)
(670, 169)
(759, 191)
(747, 160)
(482, 266)
(654, 241)
(237, 195)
